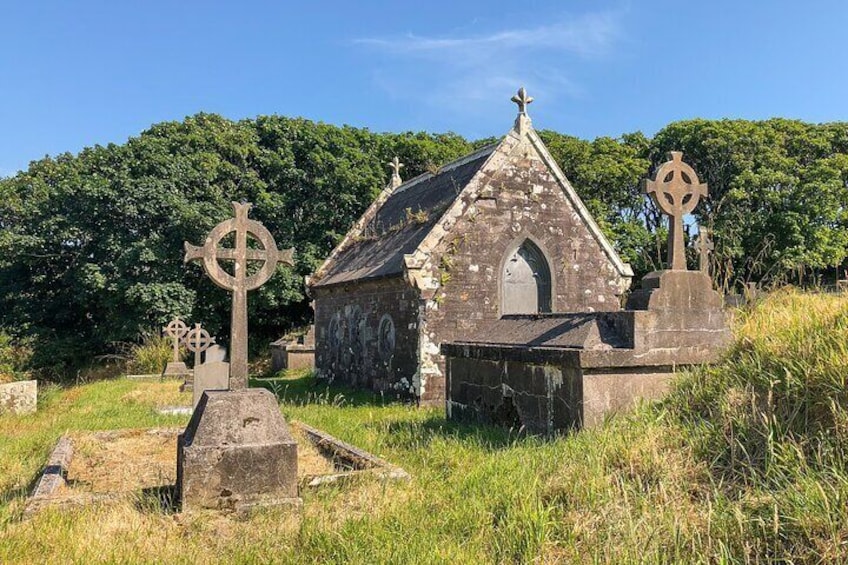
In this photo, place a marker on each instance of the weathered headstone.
(676, 190)
(239, 282)
(176, 330)
(19, 397)
(212, 375)
(705, 248)
(215, 353)
(237, 451)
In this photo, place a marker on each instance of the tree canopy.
(91, 244)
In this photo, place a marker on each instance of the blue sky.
(74, 74)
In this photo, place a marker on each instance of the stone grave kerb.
(212, 253)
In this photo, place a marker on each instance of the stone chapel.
(498, 232)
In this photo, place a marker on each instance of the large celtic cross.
(197, 341)
(676, 190)
(211, 253)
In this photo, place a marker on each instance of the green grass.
(745, 462)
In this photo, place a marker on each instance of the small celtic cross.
(197, 341)
(175, 329)
(211, 254)
(676, 190)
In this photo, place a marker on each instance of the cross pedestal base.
(175, 369)
(236, 454)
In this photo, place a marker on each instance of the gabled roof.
(401, 221)
(375, 247)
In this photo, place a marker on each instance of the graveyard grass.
(745, 462)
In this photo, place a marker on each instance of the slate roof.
(402, 222)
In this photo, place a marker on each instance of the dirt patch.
(133, 460)
(123, 461)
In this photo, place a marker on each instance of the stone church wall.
(367, 335)
(523, 200)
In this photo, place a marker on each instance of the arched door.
(526, 281)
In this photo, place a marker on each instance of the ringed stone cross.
(676, 190)
(705, 247)
(212, 253)
(176, 329)
(197, 341)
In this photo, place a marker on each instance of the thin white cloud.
(586, 35)
(475, 71)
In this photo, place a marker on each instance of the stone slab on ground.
(237, 453)
(19, 397)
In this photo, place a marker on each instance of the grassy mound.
(744, 462)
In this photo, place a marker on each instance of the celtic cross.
(676, 190)
(522, 100)
(175, 329)
(705, 247)
(197, 341)
(396, 165)
(211, 254)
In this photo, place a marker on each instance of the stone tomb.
(550, 372)
(297, 353)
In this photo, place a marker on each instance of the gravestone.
(676, 191)
(212, 375)
(210, 254)
(705, 248)
(236, 452)
(197, 340)
(215, 353)
(176, 330)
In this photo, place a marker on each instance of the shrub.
(15, 358)
(150, 356)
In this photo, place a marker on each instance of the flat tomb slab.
(95, 467)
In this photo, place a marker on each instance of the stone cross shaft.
(705, 247)
(211, 254)
(175, 329)
(676, 190)
(197, 341)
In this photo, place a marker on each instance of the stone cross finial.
(396, 166)
(522, 100)
(176, 329)
(240, 281)
(197, 341)
(676, 190)
(705, 247)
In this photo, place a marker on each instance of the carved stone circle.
(676, 190)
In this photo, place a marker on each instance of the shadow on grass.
(158, 500)
(301, 389)
(417, 434)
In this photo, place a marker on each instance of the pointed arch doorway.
(526, 281)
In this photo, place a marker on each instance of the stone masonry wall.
(367, 335)
(520, 200)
